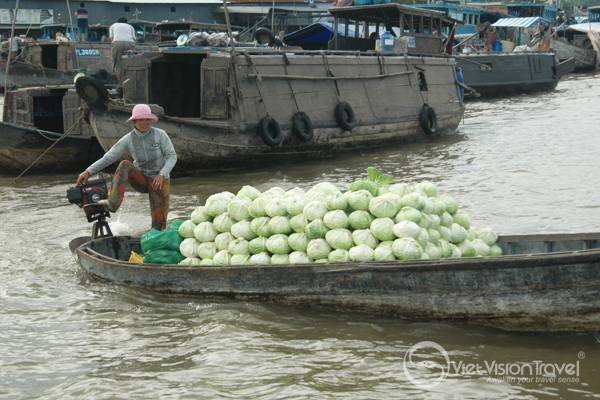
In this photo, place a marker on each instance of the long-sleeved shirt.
(152, 152)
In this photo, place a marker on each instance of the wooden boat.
(264, 106)
(543, 282)
(585, 59)
(35, 119)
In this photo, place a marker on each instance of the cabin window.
(427, 28)
(422, 82)
(486, 67)
(172, 8)
(408, 27)
(126, 8)
(47, 114)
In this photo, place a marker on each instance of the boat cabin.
(70, 56)
(145, 31)
(423, 28)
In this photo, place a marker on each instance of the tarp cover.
(525, 22)
(595, 26)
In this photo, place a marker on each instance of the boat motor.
(86, 196)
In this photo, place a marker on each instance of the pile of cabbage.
(375, 220)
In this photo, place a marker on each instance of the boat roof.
(388, 13)
(524, 22)
(585, 27)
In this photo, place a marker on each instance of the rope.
(366, 90)
(67, 133)
(258, 79)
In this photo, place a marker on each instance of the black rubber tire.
(91, 90)
(428, 120)
(302, 127)
(264, 36)
(102, 75)
(270, 131)
(344, 115)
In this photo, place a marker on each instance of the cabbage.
(404, 229)
(316, 229)
(446, 250)
(222, 258)
(425, 221)
(257, 207)
(365, 184)
(298, 241)
(336, 219)
(249, 192)
(206, 250)
(339, 239)
(318, 248)
(378, 177)
(228, 194)
(238, 246)
(432, 251)
(239, 259)
(467, 249)
(458, 233)
(400, 189)
(200, 215)
(260, 258)
(223, 223)
(243, 230)
(336, 201)
(207, 261)
(326, 188)
(222, 240)
(280, 259)
(445, 233)
(462, 218)
(481, 247)
(427, 206)
(423, 238)
(429, 188)
(260, 226)
(434, 222)
(295, 191)
(425, 256)
(439, 207)
(366, 237)
(315, 195)
(280, 225)
(360, 219)
(295, 204)
(414, 200)
(205, 232)
(237, 209)
(339, 255)
(472, 234)
(434, 235)
(186, 229)
(451, 204)
(446, 220)
(190, 261)
(276, 207)
(321, 261)
(383, 207)
(359, 200)
(384, 253)
(495, 250)
(257, 245)
(276, 192)
(299, 257)
(488, 236)
(278, 244)
(362, 252)
(298, 223)
(409, 214)
(217, 204)
(419, 191)
(385, 189)
(382, 228)
(189, 247)
(315, 210)
(456, 252)
(407, 248)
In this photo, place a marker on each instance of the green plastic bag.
(169, 239)
(176, 224)
(163, 256)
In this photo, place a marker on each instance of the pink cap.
(142, 111)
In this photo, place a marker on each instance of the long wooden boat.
(585, 59)
(265, 106)
(542, 283)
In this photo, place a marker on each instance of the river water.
(528, 164)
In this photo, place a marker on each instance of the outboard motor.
(87, 196)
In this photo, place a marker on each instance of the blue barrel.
(459, 76)
(386, 42)
(498, 46)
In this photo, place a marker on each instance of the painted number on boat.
(88, 52)
(411, 41)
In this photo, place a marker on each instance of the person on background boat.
(82, 21)
(153, 159)
(122, 36)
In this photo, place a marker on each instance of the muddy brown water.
(528, 164)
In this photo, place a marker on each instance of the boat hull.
(532, 292)
(585, 60)
(23, 74)
(22, 147)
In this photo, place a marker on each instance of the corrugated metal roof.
(595, 26)
(517, 22)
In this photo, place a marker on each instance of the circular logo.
(421, 373)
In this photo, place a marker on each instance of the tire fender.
(428, 120)
(102, 75)
(302, 127)
(344, 115)
(91, 90)
(270, 131)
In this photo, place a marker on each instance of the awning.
(525, 22)
(595, 26)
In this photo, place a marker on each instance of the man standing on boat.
(122, 36)
(82, 21)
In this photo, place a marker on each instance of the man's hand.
(83, 177)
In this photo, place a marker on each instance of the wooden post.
(233, 59)
(12, 38)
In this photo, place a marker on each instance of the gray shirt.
(152, 152)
